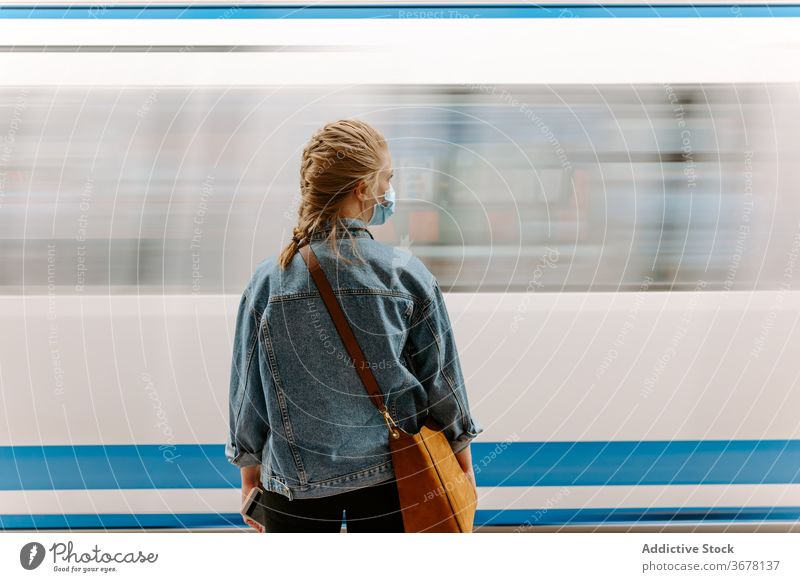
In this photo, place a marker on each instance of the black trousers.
(369, 509)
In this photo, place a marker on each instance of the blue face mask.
(383, 211)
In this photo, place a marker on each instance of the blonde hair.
(337, 157)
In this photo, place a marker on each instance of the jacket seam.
(287, 425)
(447, 378)
(342, 478)
(343, 291)
(291, 296)
(423, 310)
(347, 477)
(245, 379)
(404, 341)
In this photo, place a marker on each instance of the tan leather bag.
(435, 493)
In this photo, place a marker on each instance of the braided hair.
(337, 157)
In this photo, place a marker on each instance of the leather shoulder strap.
(342, 326)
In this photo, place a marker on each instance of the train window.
(183, 190)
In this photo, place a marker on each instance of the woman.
(302, 426)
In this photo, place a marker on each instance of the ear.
(361, 191)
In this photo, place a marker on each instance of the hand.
(254, 524)
(250, 479)
(246, 487)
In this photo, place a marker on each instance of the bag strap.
(346, 333)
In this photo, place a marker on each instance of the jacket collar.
(353, 226)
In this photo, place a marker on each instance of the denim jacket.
(297, 406)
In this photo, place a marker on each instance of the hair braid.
(336, 158)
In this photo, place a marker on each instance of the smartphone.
(253, 506)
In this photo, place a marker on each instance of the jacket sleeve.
(247, 411)
(434, 360)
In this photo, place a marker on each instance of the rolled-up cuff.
(241, 458)
(465, 439)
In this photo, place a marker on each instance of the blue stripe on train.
(428, 11)
(506, 464)
(509, 517)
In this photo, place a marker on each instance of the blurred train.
(618, 242)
